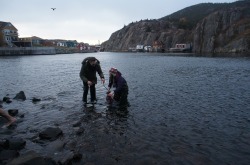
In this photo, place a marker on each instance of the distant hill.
(210, 27)
(193, 14)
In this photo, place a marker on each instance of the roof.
(6, 24)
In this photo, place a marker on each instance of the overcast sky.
(89, 21)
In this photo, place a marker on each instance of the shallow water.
(184, 110)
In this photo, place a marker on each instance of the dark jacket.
(118, 82)
(88, 72)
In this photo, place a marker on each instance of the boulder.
(16, 143)
(20, 96)
(50, 133)
(13, 112)
(8, 155)
(35, 100)
(7, 99)
(31, 158)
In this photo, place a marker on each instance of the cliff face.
(223, 29)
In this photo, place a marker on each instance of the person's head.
(113, 71)
(92, 61)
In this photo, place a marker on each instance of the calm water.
(184, 110)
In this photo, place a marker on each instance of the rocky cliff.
(210, 28)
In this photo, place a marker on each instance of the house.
(181, 48)
(8, 34)
(147, 48)
(61, 43)
(158, 46)
(139, 48)
(30, 42)
(71, 43)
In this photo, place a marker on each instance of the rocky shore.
(58, 148)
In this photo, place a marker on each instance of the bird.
(53, 9)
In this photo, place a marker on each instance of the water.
(184, 110)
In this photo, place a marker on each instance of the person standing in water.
(90, 66)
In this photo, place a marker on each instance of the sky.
(88, 21)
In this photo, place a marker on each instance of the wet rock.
(77, 124)
(20, 96)
(67, 158)
(50, 133)
(21, 116)
(55, 146)
(80, 131)
(4, 144)
(71, 145)
(77, 156)
(13, 112)
(35, 100)
(8, 155)
(31, 158)
(7, 99)
(16, 143)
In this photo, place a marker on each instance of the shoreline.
(6, 51)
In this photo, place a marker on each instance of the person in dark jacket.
(120, 94)
(90, 66)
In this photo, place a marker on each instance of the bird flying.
(53, 9)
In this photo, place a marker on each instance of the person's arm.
(82, 74)
(99, 71)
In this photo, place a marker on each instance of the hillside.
(210, 28)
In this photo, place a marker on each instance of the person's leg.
(85, 92)
(10, 119)
(93, 93)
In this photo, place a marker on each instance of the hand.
(89, 83)
(110, 94)
(103, 80)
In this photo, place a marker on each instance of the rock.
(13, 112)
(35, 100)
(77, 156)
(7, 99)
(50, 133)
(31, 158)
(55, 146)
(77, 124)
(80, 131)
(67, 159)
(4, 144)
(16, 143)
(8, 154)
(21, 116)
(20, 96)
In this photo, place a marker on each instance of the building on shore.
(182, 48)
(8, 34)
(35, 45)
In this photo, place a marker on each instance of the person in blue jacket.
(120, 94)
